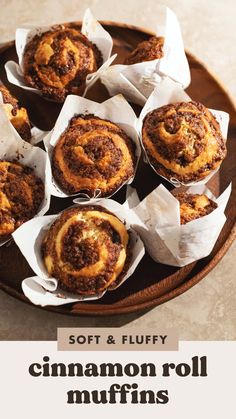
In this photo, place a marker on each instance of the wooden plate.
(152, 283)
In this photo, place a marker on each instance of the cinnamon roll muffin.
(193, 206)
(92, 154)
(183, 141)
(58, 61)
(21, 194)
(147, 51)
(86, 249)
(17, 116)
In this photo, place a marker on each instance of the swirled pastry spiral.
(86, 249)
(92, 154)
(17, 116)
(147, 51)
(21, 193)
(183, 141)
(193, 206)
(58, 61)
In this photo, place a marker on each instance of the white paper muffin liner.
(137, 81)
(116, 110)
(166, 93)
(12, 147)
(91, 28)
(166, 240)
(42, 289)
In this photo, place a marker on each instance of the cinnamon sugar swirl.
(58, 61)
(149, 50)
(193, 206)
(21, 193)
(183, 141)
(86, 249)
(92, 154)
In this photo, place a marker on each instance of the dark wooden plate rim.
(152, 302)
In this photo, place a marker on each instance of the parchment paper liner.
(116, 110)
(91, 28)
(43, 290)
(137, 81)
(165, 239)
(12, 147)
(170, 92)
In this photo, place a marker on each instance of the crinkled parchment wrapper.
(170, 92)
(137, 81)
(43, 290)
(12, 147)
(116, 110)
(91, 28)
(165, 239)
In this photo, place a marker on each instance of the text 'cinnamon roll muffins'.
(58, 61)
(17, 115)
(86, 249)
(183, 141)
(149, 50)
(194, 206)
(93, 154)
(21, 194)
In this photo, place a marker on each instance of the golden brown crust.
(193, 206)
(17, 116)
(21, 193)
(147, 51)
(58, 61)
(86, 249)
(183, 141)
(92, 154)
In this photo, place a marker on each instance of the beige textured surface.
(207, 311)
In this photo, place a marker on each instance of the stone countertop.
(208, 310)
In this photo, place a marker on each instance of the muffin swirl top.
(194, 206)
(17, 115)
(21, 194)
(183, 141)
(149, 50)
(86, 249)
(58, 61)
(92, 154)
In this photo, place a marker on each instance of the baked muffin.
(17, 116)
(193, 206)
(58, 61)
(21, 194)
(86, 249)
(183, 141)
(146, 51)
(92, 154)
